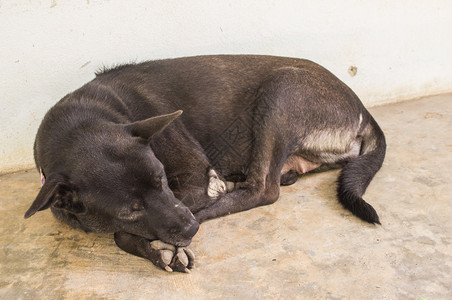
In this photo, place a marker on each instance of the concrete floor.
(304, 246)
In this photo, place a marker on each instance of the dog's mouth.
(169, 240)
(182, 244)
(180, 238)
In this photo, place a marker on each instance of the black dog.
(250, 123)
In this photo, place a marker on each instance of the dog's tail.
(359, 171)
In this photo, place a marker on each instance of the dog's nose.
(191, 230)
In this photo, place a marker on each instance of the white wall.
(402, 49)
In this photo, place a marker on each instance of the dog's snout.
(184, 236)
(191, 230)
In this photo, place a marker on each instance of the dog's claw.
(182, 256)
(168, 269)
(167, 256)
(181, 261)
(171, 259)
(191, 258)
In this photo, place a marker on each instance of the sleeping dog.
(118, 155)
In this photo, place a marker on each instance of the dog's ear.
(151, 127)
(57, 192)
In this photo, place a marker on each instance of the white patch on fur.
(217, 187)
(371, 142)
(331, 146)
(43, 179)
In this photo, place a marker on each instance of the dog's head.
(106, 178)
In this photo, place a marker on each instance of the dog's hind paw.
(171, 258)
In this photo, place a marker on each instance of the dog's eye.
(158, 182)
(137, 206)
(132, 213)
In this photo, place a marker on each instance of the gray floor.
(304, 246)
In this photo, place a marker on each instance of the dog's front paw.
(216, 187)
(171, 258)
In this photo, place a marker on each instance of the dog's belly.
(298, 164)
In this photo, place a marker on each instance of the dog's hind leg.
(270, 150)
